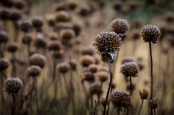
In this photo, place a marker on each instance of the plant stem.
(95, 111)
(131, 87)
(154, 111)
(118, 112)
(110, 83)
(13, 105)
(141, 107)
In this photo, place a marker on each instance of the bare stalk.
(141, 106)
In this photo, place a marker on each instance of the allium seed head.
(143, 94)
(34, 71)
(54, 46)
(93, 68)
(87, 50)
(3, 64)
(12, 47)
(3, 37)
(63, 67)
(103, 76)
(95, 88)
(37, 59)
(37, 22)
(154, 103)
(25, 26)
(86, 60)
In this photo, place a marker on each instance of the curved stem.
(110, 83)
(141, 107)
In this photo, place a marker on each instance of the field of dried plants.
(86, 57)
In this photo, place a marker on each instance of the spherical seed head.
(26, 26)
(12, 47)
(4, 14)
(140, 64)
(87, 50)
(117, 5)
(83, 10)
(54, 46)
(127, 59)
(86, 60)
(135, 34)
(57, 54)
(27, 39)
(3, 37)
(34, 71)
(40, 41)
(60, 7)
(120, 99)
(87, 76)
(131, 87)
(37, 22)
(77, 27)
(38, 60)
(63, 67)
(67, 34)
(130, 69)
(143, 94)
(154, 103)
(103, 76)
(3, 64)
(53, 36)
(93, 68)
(150, 33)
(73, 64)
(119, 26)
(103, 101)
(62, 16)
(107, 42)
(15, 14)
(72, 5)
(13, 85)
(19, 4)
(95, 88)
(50, 19)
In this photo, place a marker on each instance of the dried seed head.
(117, 6)
(19, 4)
(103, 76)
(77, 27)
(4, 13)
(140, 63)
(60, 7)
(103, 101)
(25, 26)
(86, 60)
(150, 33)
(63, 25)
(12, 47)
(53, 36)
(136, 24)
(57, 54)
(62, 16)
(87, 76)
(3, 37)
(13, 85)
(33, 71)
(119, 26)
(54, 46)
(71, 5)
(27, 39)
(143, 94)
(112, 56)
(3, 64)
(63, 67)
(37, 22)
(37, 59)
(130, 87)
(50, 20)
(67, 34)
(127, 59)
(120, 100)
(40, 41)
(154, 103)
(107, 42)
(93, 68)
(15, 15)
(135, 34)
(95, 88)
(83, 10)
(113, 85)
(73, 64)
(130, 69)
(87, 50)
(169, 17)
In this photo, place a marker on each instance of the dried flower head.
(25, 26)
(143, 94)
(50, 20)
(54, 45)
(73, 64)
(119, 26)
(120, 99)
(103, 76)
(12, 47)
(87, 76)
(34, 71)
(60, 7)
(37, 59)
(154, 103)
(63, 67)
(83, 10)
(15, 14)
(72, 5)
(27, 39)
(37, 22)
(93, 68)
(67, 34)
(19, 4)
(150, 33)
(3, 64)
(4, 13)
(40, 41)
(57, 54)
(77, 27)
(95, 88)
(86, 60)
(117, 5)
(3, 37)
(130, 69)
(87, 50)
(62, 16)
(13, 85)
(135, 34)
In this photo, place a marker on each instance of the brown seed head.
(67, 34)
(3, 64)
(135, 34)
(150, 33)
(77, 27)
(143, 94)
(50, 20)
(72, 5)
(13, 85)
(25, 26)
(53, 36)
(154, 103)
(40, 41)
(15, 15)
(3, 37)
(117, 5)
(60, 7)
(37, 22)
(93, 68)
(4, 13)
(95, 88)
(27, 39)
(87, 50)
(54, 46)
(130, 69)
(12, 47)
(87, 76)
(120, 99)
(19, 4)
(63, 67)
(62, 16)
(33, 71)
(57, 54)
(86, 60)
(103, 76)
(73, 64)
(37, 59)
(83, 10)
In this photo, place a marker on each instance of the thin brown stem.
(13, 105)
(131, 86)
(141, 106)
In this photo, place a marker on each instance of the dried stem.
(141, 106)
(13, 105)
(131, 86)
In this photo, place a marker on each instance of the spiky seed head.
(130, 69)
(3, 37)
(62, 16)
(37, 22)
(103, 76)
(150, 33)
(127, 59)
(63, 67)
(86, 60)
(93, 68)
(119, 26)
(38, 60)
(12, 47)
(33, 71)
(54, 45)
(143, 94)
(95, 88)
(3, 64)
(25, 26)
(27, 39)
(13, 85)
(120, 100)
(153, 103)
(87, 50)
(107, 42)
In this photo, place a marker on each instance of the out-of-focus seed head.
(60, 7)
(120, 100)
(109, 56)
(38, 60)
(131, 87)
(140, 63)
(67, 34)
(135, 34)
(62, 16)
(119, 26)
(113, 85)
(154, 103)
(77, 27)
(13, 85)
(93, 68)
(103, 101)
(53, 36)
(50, 20)
(136, 24)
(12, 47)
(40, 41)
(33, 71)
(19, 4)
(27, 39)
(72, 5)
(95, 88)
(103, 76)
(83, 10)
(33, 50)
(171, 40)
(4, 13)
(117, 5)
(21, 61)
(107, 42)
(3, 37)
(54, 45)
(37, 22)
(143, 94)
(130, 69)
(15, 15)
(63, 67)
(87, 50)
(57, 54)
(127, 59)
(86, 60)
(169, 17)
(150, 33)
(88, 76)
(25, 26)
(73, 64)
(3, 64)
